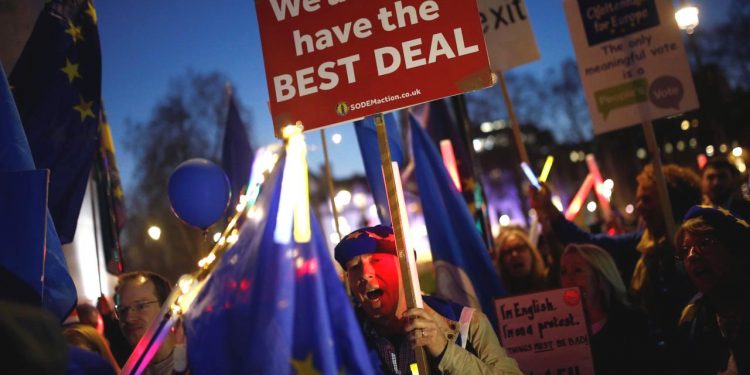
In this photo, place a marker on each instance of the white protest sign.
(507, 33)
(546, 332)
(631, 61)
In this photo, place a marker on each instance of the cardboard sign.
(631, 61)
(546, 332)
(507, 32)
(333, 61)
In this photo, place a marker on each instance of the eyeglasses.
(699, 247)
(122, 311)
(520, 249)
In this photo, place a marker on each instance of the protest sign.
(546, 332)
(631, 61)
(507, 32)
(332, 61)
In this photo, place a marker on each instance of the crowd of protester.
(655, 302)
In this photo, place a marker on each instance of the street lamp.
(154, 232)
(687, 17)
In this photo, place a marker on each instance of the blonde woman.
(87, 337)
(620, 342)
(519, 262)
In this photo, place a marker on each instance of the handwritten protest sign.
(631, 61)
(507, 32)
(332, 61)
(546, 332)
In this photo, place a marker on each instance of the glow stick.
(449, 160)
(599, 186)
(406, 232)
(577, 202)
(530, 175)
(547, 168)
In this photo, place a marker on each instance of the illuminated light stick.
(449, 160)
(577, 202)
(294, 209)
(406, 233)
(533, 225)
(547, 168)
(412, 295)
(599, 186)
(530, 175)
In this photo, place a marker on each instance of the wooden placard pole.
(395, 211)
(661, 182)
(513, 121)
(329, 182)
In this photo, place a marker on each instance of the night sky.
(145, 44)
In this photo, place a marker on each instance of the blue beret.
(719, 218)
(369, 240)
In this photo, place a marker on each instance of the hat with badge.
(368, 240)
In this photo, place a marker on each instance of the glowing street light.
(154, 232)
(687, 18)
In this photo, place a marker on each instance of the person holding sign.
(457, 339)
(712, 244)
(645, 257)
(620, 342)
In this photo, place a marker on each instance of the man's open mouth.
(374, 294)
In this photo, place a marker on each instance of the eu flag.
(110, 196)
(463, 269)
(367, 137)
(57, 87)
(271, 308)
(31, 256)
(236, 154)
(441, 124)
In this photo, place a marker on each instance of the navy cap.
(369, 240)
(718, 217)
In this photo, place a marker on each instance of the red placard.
(333, 61)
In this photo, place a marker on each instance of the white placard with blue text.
(631, 60)
(546, 332)
(507, 33)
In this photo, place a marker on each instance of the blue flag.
(24, 254)
(367, 137)
(270, 308)
(464, 271)
(57, 86)
(236, 154)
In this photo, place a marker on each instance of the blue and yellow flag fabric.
(443, 124)
(271, 308)
(57, 87)
(110, 196)
(367, 138)
(30, 251)
(463, 270)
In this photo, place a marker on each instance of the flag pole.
(522, 154)
(476, 169)
(329, 182)
(661, 182)
(396, 220)
(517, 137)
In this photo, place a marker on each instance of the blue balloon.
(199, 192)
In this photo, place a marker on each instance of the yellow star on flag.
(71, 70)
(305, 367)
(75, 32)
(91, 11)
(84, 108)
